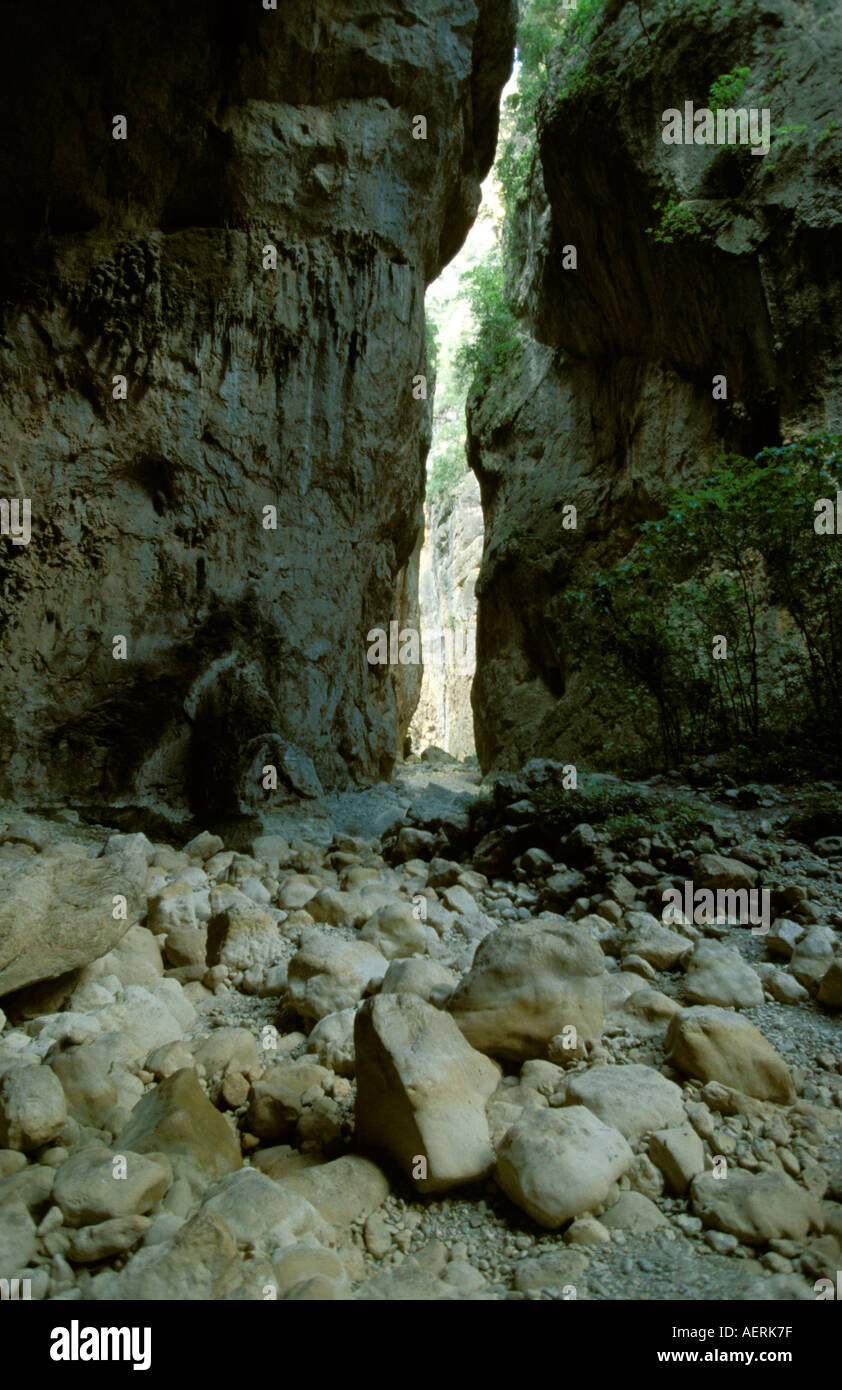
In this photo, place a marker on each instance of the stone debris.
(371, 1100)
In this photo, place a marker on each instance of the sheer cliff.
(692, 262)
(213, 272)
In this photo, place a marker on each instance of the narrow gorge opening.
(449, 568)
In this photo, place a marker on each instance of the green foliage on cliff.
(544, 25)
(675, 223)
(539, 31)
(722, 629)
(495, 341)
(726, 90)
(447, 470)
(433, 347)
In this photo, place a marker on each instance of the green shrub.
(495, 340)
(544, 25)
(726, 91)
(560, 810)
(624, 830)
(448, 469)
(676, 222)
(741, 544)
(685, 819)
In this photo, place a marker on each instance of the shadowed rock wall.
(611, 403)
(247, 387)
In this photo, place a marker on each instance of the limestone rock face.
(610, 405)
(450, 559)
(246, 387)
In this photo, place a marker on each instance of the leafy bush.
(496, 340)
(676, 222)
(725, 556)
(560, 810)
(624, 830)
(448, 469)
(685, 819)
(726, 91)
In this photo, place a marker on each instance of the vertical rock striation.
(248, 388)
(449, 567)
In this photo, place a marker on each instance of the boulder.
(90, 1244)
(421, 1092)
(33, 1109)
(296, 890)
(718, 974)
(204, 846)
(346, 1190)
(202, 1262)
(395, 931)
(58, 914)
(263, 1213)
(329, 973)
(135, 960)
(155, 1015)
(813, 955)
(555, 1269)
(632, 1099)
(96, 1184)
(716, 871)
(556, 1164)
(301, 1267)
(332, 1041)
(18, 1240)
(429, 979)
(657, 945)
(89, 1091)
(234, 1048)
(635, 1213)
(783, 937)
(680, 1155)
(241, 934)
(646, 1012)
(178, 1120)
(525, 986)
(830, 988)
(714, 1044)
(756, 1208)
(275, 1103)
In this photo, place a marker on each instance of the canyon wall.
(610, 404)
(251, 259)
(450, 560)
